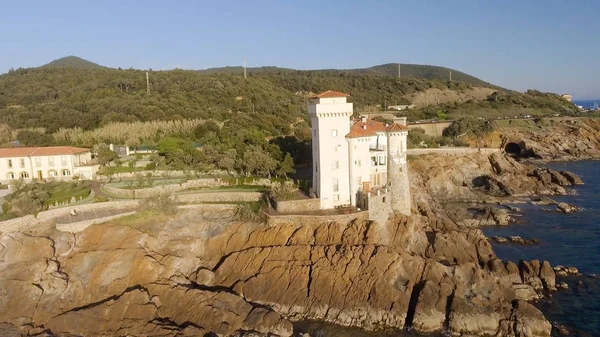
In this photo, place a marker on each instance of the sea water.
(568, 240)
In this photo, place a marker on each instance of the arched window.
(52, 173)
(24, 175)
(66, 173)
(10, 176)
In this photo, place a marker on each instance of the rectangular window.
(10, 163)
(335, 165)
(336, 197)
(22, 162)
(334, 133)
(51, 161)
(63, 160)
(38, 161)
(336, 185)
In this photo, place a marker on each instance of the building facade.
(356, 158)
(45, 163)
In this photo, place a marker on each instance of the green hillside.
(408, 71)
(74, 93)
(72, 62)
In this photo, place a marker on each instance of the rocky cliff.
(557, 139)
(194, 275)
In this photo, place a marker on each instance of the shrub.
(250, 211)
(101, 199)
(162, 203)
(283, 191)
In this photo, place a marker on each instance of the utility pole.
(245, 74)
(147, 84)
(399, 70)
(450, 75)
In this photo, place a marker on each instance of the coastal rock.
(567, 208)
(547, 276)
(194, 274)
(529, 271)
(563, 285)
(572, 177)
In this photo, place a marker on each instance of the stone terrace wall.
(295, 206)
(219, 197)
(274, 220)
(453, 151)
(168, 189)
(29, 220)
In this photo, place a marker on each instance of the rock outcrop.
(562, 139)
(191, 276)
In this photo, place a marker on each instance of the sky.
(549, 45)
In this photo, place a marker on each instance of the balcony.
(377, 147)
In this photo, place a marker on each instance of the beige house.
(44, 163)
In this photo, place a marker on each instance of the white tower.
(397, 170)
(330, 117)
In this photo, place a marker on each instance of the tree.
(259, 162)
(104, 154)
(228, 160)
(286, 167)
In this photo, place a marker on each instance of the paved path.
(93, 214)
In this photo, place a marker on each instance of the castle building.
(357, 162)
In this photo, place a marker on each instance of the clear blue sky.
(550, 45)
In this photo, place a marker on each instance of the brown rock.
(572, 177)
(547, 276)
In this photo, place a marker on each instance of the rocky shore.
(195, 275)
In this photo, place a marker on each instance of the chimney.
(363, 119)
(365, 127)
(400, 120)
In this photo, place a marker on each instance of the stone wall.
(79, 226)
(453, 151)
(219, 197)
(296, 206)
(380, 208)
(431, 129)
(313, 220)
(17, 224)
(168, 189)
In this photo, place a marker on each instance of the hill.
(72, 62)
(74, 93)
(408, 71)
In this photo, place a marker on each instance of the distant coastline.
(586, 103)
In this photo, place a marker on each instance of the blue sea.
(587, 103)
(565, 239)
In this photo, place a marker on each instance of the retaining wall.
(453, 151)
(309, 220)
(219, 197)
(19, 223)
(431, 129)
(168, 189)
(293, 206)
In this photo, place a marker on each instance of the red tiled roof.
(358, 129)
(330, 94)
(397, 127)
(40, 151)
(372, 127)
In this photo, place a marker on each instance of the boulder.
(567, 208)
(572, 177)
(547, 276)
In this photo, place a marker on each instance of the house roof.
(397, 127)
(371, 127)
(40, 151)
(330, 94)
